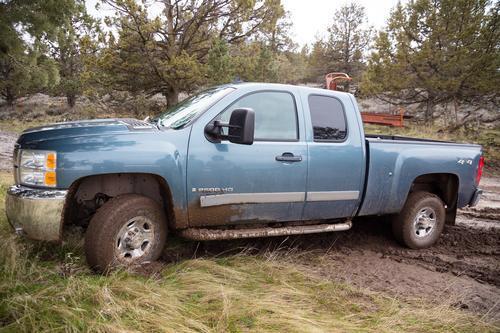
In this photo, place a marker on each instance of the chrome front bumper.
(36, 213)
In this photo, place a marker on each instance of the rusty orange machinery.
(337, 81)
(388, 119)
(340, 82)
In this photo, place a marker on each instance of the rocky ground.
(7, 141)
(462, 269)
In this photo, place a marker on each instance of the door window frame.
(263, 91)
(343, 112)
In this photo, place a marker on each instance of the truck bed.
(402, 138)
(394, 162)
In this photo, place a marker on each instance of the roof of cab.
(270, 86)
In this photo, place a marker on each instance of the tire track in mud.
(461, 269)
(462, 251)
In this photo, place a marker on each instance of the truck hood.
(83, 128)
(86, 148)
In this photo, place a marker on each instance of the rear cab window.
(328, 119)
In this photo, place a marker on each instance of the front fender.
(162, 153)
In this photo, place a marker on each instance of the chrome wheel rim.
(424, 222)
(134, 240)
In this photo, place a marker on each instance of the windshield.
(185, 111)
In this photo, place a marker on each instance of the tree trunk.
(10, 98)
(172, 96)
(429, 110)
(455, 104)
(71, 100)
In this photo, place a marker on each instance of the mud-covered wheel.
(129, 229)
(421, 221)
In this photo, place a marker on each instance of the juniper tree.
(168, 53)
(435, 51)
(348, 39)
(24, 66)
(68, 49)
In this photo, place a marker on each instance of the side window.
(275, 115)
(328, 118)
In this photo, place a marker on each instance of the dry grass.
(47, 287)
(41, 109)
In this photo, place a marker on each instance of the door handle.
(288, 157)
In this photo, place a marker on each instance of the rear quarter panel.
(394, 165)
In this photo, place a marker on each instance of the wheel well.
(445, 186)
(87, 194)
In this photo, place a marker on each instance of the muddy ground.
(462, 269)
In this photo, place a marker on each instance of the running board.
(219, 234)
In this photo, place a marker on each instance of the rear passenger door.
(336, 156)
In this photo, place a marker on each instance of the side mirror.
(240, 128)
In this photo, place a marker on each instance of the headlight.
(37, 167)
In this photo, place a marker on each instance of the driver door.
(231, 183)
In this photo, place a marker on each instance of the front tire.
(421, 221)
(129, 229)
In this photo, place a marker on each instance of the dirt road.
(462, 269)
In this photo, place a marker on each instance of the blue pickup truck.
(234, 161)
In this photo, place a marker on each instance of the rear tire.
(129, 229)
(421, 221)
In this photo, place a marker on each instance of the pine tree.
(220, 67)
(68, 48)
(348, 39)
(24, 66)
(437, 51)
(169, 53)
(318, 63)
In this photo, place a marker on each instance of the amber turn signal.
(51, 161)
(50, 178)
